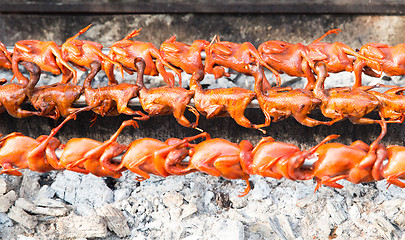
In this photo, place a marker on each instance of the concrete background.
(256, 28)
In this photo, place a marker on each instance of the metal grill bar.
(209, 7)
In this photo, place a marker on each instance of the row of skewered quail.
(331, 162)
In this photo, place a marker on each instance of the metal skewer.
(105, 51)
(117, 160)
(81, 102)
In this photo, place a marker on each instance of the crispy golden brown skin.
(219, 157)
(388, 59)
(273, 159)
(336, 55)
(125, 52)
(337, 161)
(235, 56)
(83, 150)
(56, 100)
(394, 169)
(165, 100)
(342, 103)
(47, 55)
(280, 103)
(112, 99)
(392, 104)
(291, 59)
(184, 56)
(147, 156)
(82, 53)
(222, 101)
(86, 155)
(51, 100)
(5, 57)
(13, 95)
(18, 152)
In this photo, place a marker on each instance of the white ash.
(115, 219)
(29, 185)
(46, 192)
(21, 237)
(3, 187)
(19, 215)
(75, 226)
(7, 200)
(5, 221)
(84, 191)
(49, 210)
(47, 202)
(157, 208)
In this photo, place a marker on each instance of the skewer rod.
(105, 51)
(135, 102)
(117, 160)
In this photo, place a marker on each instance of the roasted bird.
(394, 169)
(392, 104)
(280, 103)
(165, 100)
(336, 161)
(291, 59)
(18, 152)
(222, 101)
(125, 52)
(220, 158)
(337, 54)
(184, 56)
(272, 159)
(82, 53)
(235, 56)
(53, 100)
(5, 57)
(342, 103)
(13, 95)
(47, 55)
(84, 155)
(112, 99)
(387, 59)
(147, 155)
